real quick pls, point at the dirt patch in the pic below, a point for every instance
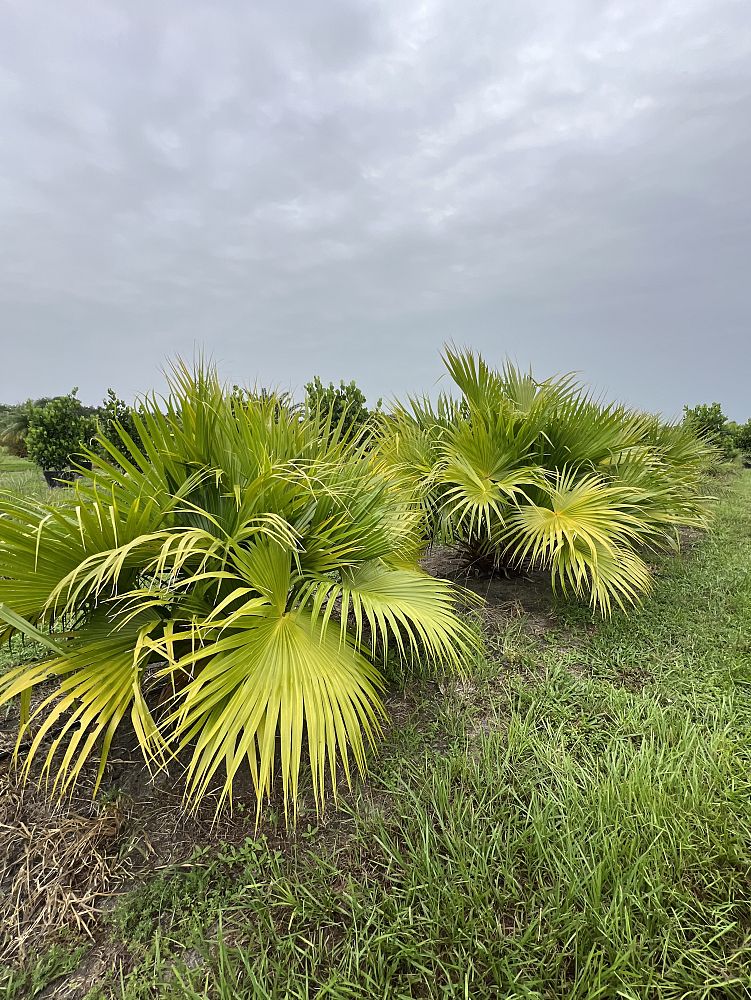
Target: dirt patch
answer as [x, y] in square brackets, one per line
[529, 591]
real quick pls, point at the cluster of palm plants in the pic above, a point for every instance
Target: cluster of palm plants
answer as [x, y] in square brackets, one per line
[225, 581]
[527, 473]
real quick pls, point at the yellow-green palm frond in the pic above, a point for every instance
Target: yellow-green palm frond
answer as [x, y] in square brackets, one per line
[97, 675]
[264, 689]
[405, 608]
[584, 533]
[185, 568]
[479, 384]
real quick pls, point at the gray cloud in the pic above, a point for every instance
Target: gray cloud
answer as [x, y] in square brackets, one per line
[338, 188]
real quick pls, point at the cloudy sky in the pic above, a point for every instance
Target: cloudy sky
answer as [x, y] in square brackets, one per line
[339, 187]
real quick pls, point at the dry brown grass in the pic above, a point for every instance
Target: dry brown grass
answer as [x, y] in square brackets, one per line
[58, 862]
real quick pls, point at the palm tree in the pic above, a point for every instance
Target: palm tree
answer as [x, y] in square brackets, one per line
[14, 423]
[519, 472]
[246, 565]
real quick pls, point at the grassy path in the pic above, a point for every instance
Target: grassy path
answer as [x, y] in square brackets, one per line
[575, 822]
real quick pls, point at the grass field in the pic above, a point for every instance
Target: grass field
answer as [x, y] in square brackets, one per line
[572, 821]
[21, 476]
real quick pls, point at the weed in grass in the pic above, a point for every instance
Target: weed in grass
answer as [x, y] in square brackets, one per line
[38, 977]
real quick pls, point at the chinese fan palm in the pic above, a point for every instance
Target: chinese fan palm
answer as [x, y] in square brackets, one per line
[227, 583]
[520, 472]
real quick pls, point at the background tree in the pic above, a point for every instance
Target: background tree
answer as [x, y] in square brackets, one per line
[742, 440]
[58, 431]
[14, 423]
[710, 423]
[344, 404]
[112, 417]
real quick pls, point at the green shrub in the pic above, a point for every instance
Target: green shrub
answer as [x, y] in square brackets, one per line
[742, 437]
[247, 572]
[113, 417]
[711, 424]
[343, 405]
[58, 431]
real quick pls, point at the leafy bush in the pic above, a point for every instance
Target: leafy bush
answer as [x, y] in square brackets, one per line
[742, 437]
[245, 571]
[343, 405]
[59, 424]
[59, 430]
[112, 417]
[711, 424]
[539, 474]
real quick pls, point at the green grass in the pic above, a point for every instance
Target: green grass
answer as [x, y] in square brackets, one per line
[23, 477]
[574, 821]
[41, 973]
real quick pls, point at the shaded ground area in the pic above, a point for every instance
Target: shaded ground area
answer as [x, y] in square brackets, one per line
[523, 593]
[572, 819]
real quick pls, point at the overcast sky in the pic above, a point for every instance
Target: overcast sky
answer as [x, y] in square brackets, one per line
[340, 187]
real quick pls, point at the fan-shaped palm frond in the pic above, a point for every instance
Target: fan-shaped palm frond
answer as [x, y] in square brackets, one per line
[526, 472]
[223, 566]
[585, 531]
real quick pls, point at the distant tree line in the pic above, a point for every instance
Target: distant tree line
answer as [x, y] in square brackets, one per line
[53, 431]
[731, 438]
